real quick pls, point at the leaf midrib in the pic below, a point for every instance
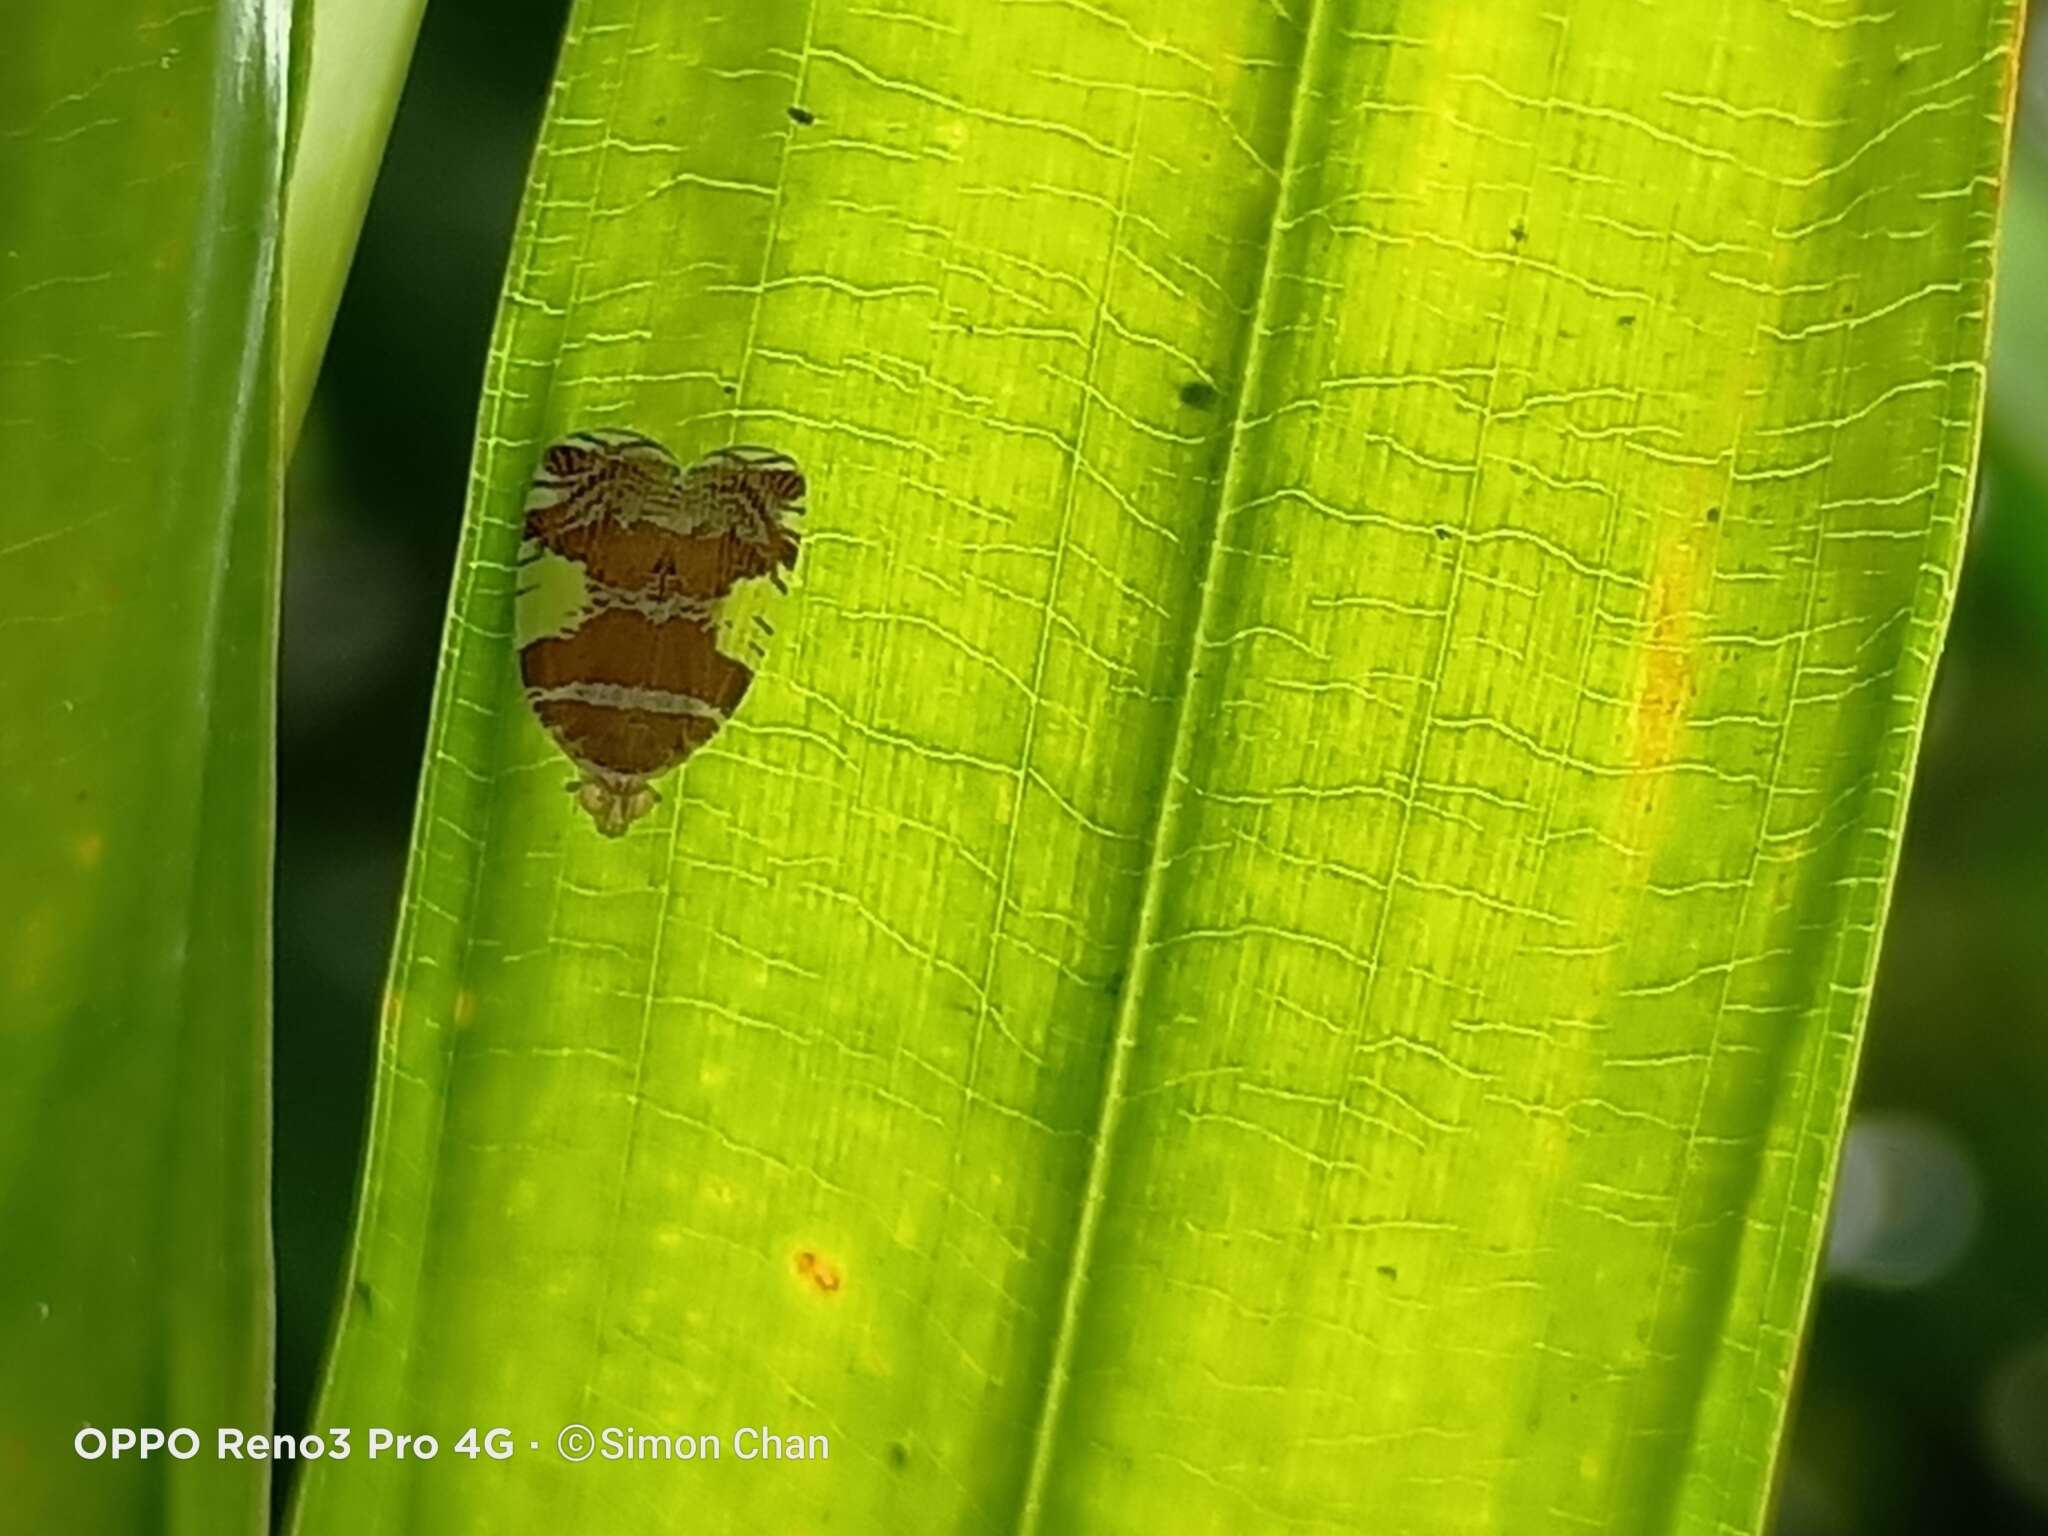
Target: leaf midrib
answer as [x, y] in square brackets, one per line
[1160, 837]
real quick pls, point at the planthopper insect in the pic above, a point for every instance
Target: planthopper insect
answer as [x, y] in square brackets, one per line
[642, 602]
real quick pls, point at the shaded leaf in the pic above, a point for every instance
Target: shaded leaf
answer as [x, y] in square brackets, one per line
[141, 169]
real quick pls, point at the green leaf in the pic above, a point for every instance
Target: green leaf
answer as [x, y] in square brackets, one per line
[141, 170]
[1282, 944]
[357, 53]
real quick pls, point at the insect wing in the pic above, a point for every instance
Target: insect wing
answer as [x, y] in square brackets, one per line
[645, 600]
[745, 504]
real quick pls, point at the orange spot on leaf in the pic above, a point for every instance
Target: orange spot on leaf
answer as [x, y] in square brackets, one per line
[818, 1270]
[1668, 680]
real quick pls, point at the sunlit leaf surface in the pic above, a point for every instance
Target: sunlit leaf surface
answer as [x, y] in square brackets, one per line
[141, 165]
[1282, 942]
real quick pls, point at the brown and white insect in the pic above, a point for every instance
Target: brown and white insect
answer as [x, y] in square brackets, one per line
[643, 597]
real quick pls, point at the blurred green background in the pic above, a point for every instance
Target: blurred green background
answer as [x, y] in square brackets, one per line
[1924, 1405]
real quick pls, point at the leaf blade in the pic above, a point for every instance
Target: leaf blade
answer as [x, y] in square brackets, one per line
[357, 57]
[141, 166]
[791, 1100]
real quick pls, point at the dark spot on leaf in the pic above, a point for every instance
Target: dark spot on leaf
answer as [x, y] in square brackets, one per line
[1390, 1272]
[1625, 321]
[365, 1297]
[1849, 308]
[802, 115]
[899, 1455]
[1198, 393]
[819, 1271]
[1115, 985]
[1713, 514]
[1442, 532]
[728, 388]
[1519, 232]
